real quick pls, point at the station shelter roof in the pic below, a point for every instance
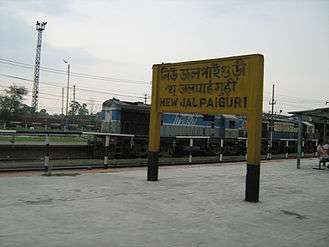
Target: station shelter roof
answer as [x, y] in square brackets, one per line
[322, 113]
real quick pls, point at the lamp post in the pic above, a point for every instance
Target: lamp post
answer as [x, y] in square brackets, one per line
[67, 92]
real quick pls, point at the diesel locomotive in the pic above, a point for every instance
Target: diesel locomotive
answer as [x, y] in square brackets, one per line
[124, 117]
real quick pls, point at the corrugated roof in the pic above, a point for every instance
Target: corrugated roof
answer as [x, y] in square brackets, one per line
[125, 105]
[318, 112]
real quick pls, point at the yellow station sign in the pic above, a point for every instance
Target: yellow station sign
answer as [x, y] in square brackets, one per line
[216, 86]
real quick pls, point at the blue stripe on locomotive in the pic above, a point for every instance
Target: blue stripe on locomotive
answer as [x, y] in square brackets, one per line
[187, 120]
[199, 121]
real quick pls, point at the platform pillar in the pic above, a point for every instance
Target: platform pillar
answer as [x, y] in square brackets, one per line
[299, 141]
[107, 151]
[191, 147]
[287, 150]
[221, 150]
[46, 165]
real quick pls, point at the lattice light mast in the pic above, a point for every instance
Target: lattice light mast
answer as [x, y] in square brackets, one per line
[40, 26]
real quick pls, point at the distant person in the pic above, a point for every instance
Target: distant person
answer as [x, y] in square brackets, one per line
[323, 151]
[326, 149]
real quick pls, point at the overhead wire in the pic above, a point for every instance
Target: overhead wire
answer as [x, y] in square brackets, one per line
[288, 102]
[298, 98]
[105, 78]
[73, 74]
[80, 88]
[56, 95]
[285, 101]
[97, 77]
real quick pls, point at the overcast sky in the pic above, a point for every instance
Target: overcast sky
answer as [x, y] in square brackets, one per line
[122, 39]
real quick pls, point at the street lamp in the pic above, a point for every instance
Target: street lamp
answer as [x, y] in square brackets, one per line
[67, 91]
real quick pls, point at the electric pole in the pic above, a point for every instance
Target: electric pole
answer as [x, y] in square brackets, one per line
[67, 93]
[92, 105]
[67, 87]
[62, 100]
[272, 103]
[73, 93]
[35, 91]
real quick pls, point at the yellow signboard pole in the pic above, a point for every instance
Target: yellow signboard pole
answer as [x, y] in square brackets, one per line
[253, 157]
[254, 126]
[154, 130]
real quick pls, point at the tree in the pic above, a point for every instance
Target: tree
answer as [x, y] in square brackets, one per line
[25, 110]
[11, 102]
[77, 109]
[43, 113]
[83, 111]
[74, 108]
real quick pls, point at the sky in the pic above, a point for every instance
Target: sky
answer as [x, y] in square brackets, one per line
[119, 41]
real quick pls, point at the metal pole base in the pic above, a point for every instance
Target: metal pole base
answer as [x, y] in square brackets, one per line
[252, 183]
[153, 166]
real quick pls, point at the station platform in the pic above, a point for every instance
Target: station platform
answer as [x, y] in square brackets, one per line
[199, 205]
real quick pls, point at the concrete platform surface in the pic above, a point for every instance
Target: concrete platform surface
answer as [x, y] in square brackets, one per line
[188, 206]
